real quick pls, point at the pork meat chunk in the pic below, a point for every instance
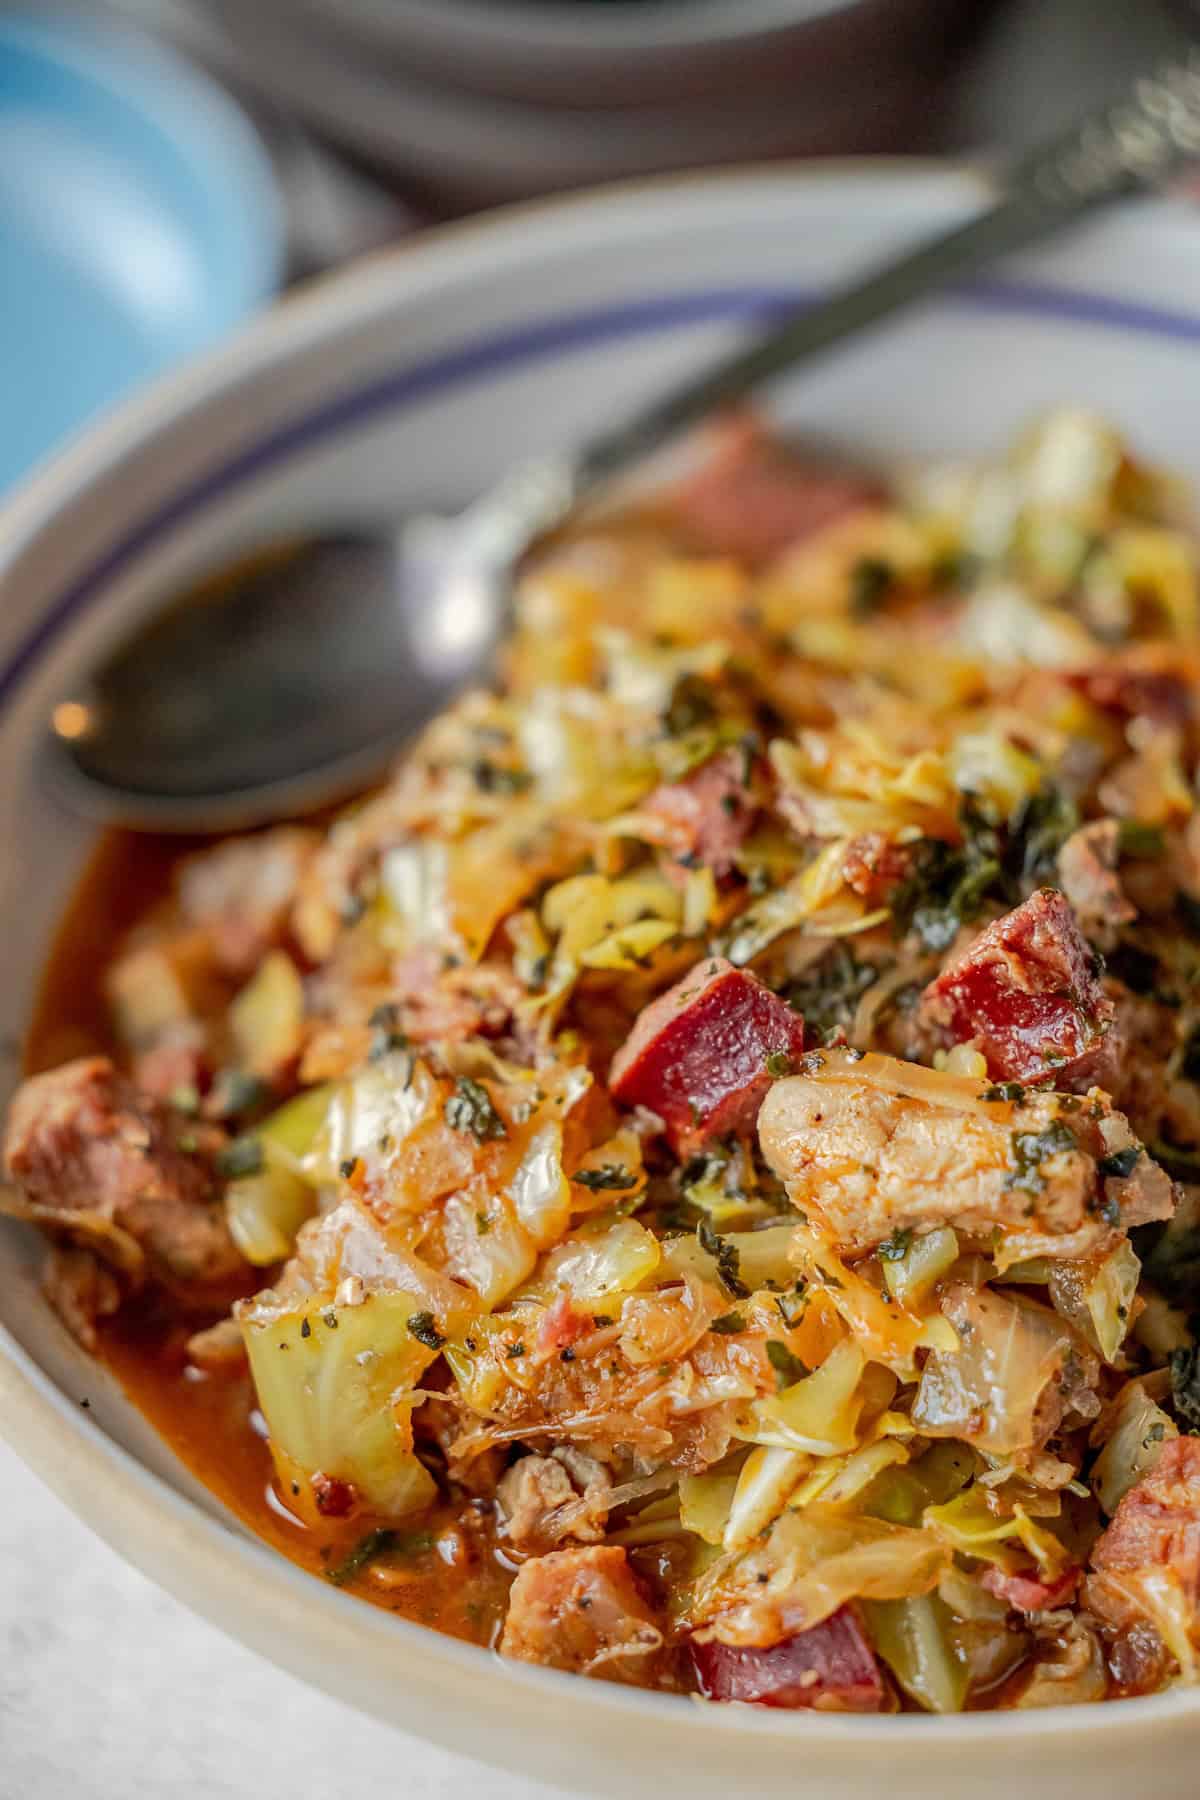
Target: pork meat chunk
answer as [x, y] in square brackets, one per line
[870, 1146]
[581, 1610]
[545, 1500]
[99, 1162]
[1146, 1566]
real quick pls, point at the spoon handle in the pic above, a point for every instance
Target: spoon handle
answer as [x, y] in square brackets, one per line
[1135, 142]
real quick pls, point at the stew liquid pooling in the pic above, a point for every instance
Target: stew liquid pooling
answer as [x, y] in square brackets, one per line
[696, 1181]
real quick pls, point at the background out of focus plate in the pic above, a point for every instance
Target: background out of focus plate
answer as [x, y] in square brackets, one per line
[139, 223]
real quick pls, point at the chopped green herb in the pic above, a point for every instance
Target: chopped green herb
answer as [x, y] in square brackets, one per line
[1039, 831]
[348, 1169]
[470, 1109]
[778, 1064]
[691, 705]
[788, 1368]
[243, 1157]
[1028, 1150]
[386, 1032]
[608, 1175]
[791, 1307]
[1185, 1386]
[424, 1328]
[1142, 841]
[381, 1542]
[1120, 1163]
[829, 990]
[896, 1248]
[492, 778]
[514, 1351]
[1004, 1090]
[727, 1259]
[235, 1094]
[728, 1323]
[871, 581]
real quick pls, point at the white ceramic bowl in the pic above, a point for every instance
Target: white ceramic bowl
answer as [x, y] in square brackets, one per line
[415, 379]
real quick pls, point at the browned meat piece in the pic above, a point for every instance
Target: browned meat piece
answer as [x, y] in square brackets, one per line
[704, 818]
[451, 1004]
[1087, 870]
[829, 1668]
[81, 1289]
[701, 1056]
[753, 499]
[535, 1491]
[95, 1158]
[870, 1146]
[874, 864]
[1150, 1553]
[581, 1610]
[1145, 681]
[242, 893]
[1027, 994]
[218, 1350]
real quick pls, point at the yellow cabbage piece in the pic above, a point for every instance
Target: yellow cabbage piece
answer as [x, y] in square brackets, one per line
[267, 1017]
[973, 1524]
[911, 1278]
[811, 1563]
[1137, 1430]
[819, 1413]
[333, 1382]
[989, 1390]
[914, 1639]
[1097, 1296]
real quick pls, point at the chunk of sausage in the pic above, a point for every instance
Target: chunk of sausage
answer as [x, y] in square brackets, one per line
[830, 1668]
[1152, 1545]
[866, 1158]
[703, 819]
[753, 498]
[1027, 995]
[699, 1055]
[581, 1610]
[84, 1145]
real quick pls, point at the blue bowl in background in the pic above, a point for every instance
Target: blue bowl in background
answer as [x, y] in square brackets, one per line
[139, 223]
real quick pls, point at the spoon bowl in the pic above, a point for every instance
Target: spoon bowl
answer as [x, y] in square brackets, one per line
[275, 689]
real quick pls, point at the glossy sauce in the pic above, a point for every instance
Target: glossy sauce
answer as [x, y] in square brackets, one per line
[210, 1421]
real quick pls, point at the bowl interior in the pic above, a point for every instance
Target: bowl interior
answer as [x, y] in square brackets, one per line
[413, 382]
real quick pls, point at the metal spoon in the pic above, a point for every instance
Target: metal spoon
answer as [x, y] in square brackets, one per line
[289, 681]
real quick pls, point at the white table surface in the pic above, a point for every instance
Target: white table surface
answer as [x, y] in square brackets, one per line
[110, 1690]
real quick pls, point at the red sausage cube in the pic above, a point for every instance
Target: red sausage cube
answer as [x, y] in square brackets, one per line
[1027, 994]
[700, 1056]
[831, 1667]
